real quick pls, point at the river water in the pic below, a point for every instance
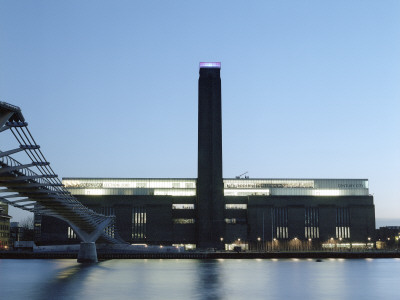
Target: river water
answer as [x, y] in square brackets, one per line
[201, 279]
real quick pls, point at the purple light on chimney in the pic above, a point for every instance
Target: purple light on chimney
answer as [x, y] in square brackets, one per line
[210, 65]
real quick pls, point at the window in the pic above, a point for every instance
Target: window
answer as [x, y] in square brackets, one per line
[235, 206]
[71, 233]
[139, 223]
[235, 221]
[342, 223]
[280, 222]
[182, 206]
[183, 221]
[311, 226]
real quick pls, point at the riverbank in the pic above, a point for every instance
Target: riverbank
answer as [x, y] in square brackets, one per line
[206, 255]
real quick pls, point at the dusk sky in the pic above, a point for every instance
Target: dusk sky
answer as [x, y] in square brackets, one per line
[310, 89]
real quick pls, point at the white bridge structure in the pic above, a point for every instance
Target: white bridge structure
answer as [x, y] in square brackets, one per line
[32, 185]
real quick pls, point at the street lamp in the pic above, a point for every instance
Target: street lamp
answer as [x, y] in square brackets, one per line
[296, 246]
[331, 242]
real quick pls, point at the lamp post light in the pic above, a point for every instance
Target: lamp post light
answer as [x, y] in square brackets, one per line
[368, 243]
[332, 240]
[258, 243]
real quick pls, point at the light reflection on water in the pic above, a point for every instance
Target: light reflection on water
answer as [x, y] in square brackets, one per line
[200, 279]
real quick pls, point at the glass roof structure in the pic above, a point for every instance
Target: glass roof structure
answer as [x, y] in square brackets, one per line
[232, 187]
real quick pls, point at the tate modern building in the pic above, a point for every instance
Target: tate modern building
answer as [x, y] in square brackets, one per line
[215, 212]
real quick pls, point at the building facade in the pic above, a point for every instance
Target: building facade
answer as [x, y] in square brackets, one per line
[212, 212]
[4, 227]
[257, 212]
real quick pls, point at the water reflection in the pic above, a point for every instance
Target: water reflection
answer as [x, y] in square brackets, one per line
[209, 285]
[200, 279]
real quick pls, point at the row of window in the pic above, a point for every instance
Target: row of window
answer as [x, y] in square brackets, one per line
[228, 183]
[4, 235]
[279, 221]
[4, 227]
[139, 220]
[312, 232]
[71, 234]
[129, 184]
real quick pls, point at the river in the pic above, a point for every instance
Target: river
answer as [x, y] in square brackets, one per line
[201, 279]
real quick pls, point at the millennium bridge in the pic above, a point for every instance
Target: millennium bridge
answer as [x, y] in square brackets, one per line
[30, 183]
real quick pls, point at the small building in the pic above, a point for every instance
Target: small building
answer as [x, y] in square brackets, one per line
[4, 227]
[20, 233]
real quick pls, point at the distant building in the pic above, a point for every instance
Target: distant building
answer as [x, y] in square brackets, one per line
[4, 227]
[212, 212]
[388, 237]
[20, 233]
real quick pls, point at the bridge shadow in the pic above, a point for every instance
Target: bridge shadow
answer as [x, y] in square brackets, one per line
[69, 282]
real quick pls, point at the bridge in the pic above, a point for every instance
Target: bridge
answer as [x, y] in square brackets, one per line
[32, 185]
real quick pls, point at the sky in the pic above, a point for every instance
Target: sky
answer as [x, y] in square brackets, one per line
[310, 89]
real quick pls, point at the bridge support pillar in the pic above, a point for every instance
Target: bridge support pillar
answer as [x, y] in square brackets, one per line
[87, 253]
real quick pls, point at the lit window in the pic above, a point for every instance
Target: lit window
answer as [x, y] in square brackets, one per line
[230, 221]
[183, 221]
[321, 192]
[182, 206]
[235, 221]
[235, 206]
[247, 192]
[170, 192]
[71, 233]
[94, 192]
[342, 223]
[139, 221]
